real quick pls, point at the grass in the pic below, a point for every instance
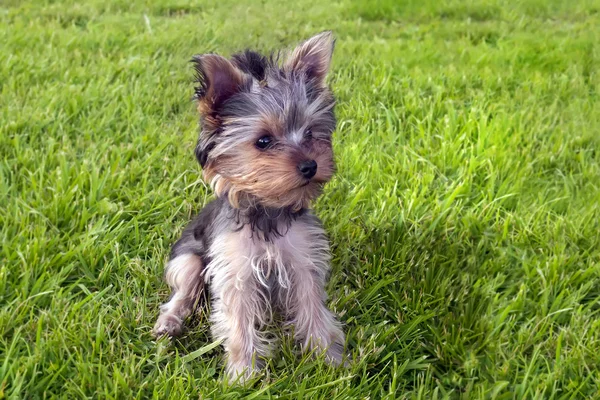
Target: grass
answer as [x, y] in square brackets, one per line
[464, 218]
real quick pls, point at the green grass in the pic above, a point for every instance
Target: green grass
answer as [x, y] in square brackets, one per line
[464, 219]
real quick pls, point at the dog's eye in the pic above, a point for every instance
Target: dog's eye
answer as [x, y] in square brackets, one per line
[308, 134]
[264, 142]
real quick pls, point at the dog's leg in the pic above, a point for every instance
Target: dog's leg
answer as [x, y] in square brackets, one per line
[184, 276]
[315, 326]
[238, 316]
[240, 306]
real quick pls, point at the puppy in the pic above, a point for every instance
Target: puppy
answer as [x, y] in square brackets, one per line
[265, 147]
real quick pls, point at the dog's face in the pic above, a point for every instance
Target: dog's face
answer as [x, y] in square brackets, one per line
[266, 128]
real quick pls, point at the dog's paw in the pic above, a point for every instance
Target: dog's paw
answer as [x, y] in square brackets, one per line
[334, 355]
[241, 374]
[167, 325]
[241, 369]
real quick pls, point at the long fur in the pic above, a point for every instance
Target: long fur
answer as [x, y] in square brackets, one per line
[258, 247]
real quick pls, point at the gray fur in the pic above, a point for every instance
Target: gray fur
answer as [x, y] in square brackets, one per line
[256, 258]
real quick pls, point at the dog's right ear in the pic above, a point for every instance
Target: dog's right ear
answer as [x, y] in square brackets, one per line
[218, 79]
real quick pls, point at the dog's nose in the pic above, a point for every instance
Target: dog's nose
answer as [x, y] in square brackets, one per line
[308, 169]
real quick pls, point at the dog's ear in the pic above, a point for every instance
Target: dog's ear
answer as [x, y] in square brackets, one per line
[218, 79]
[312, 57]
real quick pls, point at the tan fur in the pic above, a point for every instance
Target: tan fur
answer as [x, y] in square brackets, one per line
[222, 80]
[265, 128]
[272, 178]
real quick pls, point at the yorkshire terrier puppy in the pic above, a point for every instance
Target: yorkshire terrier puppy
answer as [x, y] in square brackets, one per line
[265, 147]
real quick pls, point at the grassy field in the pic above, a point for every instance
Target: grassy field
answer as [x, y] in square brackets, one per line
[464, 218]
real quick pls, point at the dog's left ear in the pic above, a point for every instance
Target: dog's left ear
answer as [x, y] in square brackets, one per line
[312, 57]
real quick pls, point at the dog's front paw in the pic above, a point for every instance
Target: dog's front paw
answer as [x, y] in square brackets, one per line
[333, 351]
[334, 355]
[240, 373]
[167, 325]
[242, 368]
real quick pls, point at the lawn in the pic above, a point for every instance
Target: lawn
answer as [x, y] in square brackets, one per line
[464, 218]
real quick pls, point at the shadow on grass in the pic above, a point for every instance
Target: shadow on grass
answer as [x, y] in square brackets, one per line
[411, 292]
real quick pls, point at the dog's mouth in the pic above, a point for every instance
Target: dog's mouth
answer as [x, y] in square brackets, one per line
[299, 195]
[311, 182]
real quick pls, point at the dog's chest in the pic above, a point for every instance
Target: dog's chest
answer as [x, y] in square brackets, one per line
[246, 255]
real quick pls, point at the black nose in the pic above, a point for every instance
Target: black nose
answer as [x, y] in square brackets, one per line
[308, 169]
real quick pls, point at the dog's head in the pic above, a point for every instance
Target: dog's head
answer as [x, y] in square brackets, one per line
[266, 126]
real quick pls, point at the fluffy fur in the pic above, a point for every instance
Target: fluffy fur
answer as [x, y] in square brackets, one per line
[265, 148]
